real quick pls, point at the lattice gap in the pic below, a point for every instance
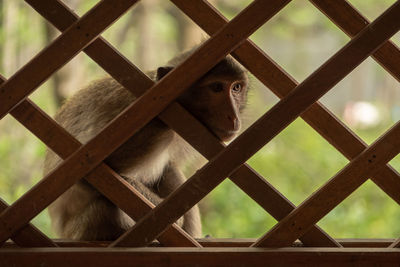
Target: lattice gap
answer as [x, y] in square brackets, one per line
[225, 162]
[365, 204]
[396, 39]
[362, 114]
[242, 210]
[25, 172]
[311, 168]
[395, 163]
[285, 35]
[372, 13]
[230, 9]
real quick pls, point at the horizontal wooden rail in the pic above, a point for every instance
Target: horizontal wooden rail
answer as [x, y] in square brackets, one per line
[261, 132]
[204, 256]
[226, 242]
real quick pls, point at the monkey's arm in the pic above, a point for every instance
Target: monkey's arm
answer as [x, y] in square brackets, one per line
[172, 179]
[144, 190]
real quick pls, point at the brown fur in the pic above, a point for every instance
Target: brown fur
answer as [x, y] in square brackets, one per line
[150, 160]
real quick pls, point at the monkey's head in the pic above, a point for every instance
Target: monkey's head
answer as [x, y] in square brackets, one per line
[218, 98]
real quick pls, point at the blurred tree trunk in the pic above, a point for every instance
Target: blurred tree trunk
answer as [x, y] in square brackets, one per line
[189, 33]
[146, 42]
[69, 78]
[123, 34]
[9, 21]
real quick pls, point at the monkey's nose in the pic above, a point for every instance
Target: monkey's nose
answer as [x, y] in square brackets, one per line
[235, 123]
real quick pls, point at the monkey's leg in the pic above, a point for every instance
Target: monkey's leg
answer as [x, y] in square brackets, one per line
[172, 179]
[150, 194]
[100, 220]
[82, 213]
[87, 215]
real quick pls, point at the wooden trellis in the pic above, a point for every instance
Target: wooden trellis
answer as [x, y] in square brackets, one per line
[157, 99]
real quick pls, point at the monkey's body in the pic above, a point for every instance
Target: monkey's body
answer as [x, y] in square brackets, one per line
[150, 160]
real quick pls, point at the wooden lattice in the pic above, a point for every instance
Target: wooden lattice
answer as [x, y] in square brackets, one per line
[157, 99]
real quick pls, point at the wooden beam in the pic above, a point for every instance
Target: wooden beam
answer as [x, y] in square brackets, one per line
[264, 130]
[227, 242]
[347, 18]
[200, 256]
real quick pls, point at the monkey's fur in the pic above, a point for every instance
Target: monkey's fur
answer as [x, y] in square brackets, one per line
[151, 159]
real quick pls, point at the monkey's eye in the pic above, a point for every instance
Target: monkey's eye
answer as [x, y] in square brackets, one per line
[237, 88]
[216, 87]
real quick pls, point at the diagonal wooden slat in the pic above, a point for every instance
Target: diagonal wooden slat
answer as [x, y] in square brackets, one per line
[104, 178]
[334, 191]
[344, 15]
[60, 51]
[395, 244]
[261, 132]
[255, 257]
[281, 83]
[29, 236]
[120, 129]
[205, 142]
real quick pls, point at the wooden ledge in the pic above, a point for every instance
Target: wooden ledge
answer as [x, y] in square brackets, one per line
[227, 242]
[161, 256]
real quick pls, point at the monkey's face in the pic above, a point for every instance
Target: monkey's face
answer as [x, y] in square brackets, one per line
[217, 101]
[218, 98]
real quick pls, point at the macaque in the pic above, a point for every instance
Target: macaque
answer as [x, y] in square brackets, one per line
[151, 160]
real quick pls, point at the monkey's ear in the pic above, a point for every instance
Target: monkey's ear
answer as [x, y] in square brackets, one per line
[162, 71]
